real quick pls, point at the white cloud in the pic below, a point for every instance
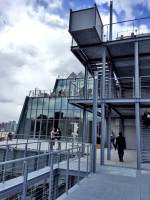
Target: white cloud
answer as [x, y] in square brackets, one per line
[35, 48]
[127, 6]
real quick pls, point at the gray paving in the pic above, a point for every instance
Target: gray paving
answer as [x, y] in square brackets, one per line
[111, 183]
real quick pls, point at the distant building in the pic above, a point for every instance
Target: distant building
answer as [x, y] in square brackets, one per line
[8, 126]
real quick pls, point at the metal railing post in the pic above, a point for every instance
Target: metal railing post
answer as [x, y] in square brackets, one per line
[50, 177]
[4, 167]
[67, 171]
[25, 179]
[51, 144]
[87, 161]
[91, 158]
[25, 151]
[39, 150]
[78, 164]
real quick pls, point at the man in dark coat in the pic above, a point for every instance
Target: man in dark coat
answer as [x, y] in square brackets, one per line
[120, 146]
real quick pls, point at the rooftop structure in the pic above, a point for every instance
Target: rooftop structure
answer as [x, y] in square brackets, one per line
[91, 109]
[119, 65]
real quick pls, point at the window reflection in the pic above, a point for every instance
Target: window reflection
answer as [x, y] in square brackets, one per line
[34, 103]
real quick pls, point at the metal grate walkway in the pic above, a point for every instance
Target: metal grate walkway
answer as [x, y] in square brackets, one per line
[111, 183]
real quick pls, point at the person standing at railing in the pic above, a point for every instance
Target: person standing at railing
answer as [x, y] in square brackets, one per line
[53, 136]
[58, 134]
[58, 137]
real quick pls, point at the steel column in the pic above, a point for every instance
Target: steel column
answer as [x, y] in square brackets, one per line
[94, 127]
[109, 136]
[103, 71]
[138, 133]
[137, 105]
[110, 20]
[103, 122]
[85, 83]
[84, 137]
[84, 110]
[103, 132]
[136, 68]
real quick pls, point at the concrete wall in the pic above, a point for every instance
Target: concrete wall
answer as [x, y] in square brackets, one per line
[129, 132]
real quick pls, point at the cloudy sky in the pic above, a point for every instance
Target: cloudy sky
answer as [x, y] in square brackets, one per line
[35, 44]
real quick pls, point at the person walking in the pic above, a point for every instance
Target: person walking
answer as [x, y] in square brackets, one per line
[120, 146]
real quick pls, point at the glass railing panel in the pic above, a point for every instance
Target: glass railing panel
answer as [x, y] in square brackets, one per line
[119, 88]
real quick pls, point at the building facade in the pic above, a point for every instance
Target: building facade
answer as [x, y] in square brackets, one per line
[118, 60]
[45, 110]
[110, 97]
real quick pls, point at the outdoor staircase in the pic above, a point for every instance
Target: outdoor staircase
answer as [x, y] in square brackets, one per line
[145, 143]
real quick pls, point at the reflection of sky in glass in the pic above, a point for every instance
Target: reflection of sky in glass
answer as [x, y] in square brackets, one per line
[34, 103]
[40, 103]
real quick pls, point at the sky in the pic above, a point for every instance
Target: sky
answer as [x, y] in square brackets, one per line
[35, 44]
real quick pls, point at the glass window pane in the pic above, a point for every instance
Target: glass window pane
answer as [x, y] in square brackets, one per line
[28, 113]
[33, 114]
[52, 103]
[77, 113]
[40, 103]
[46, 103]
[34, 103]
[45, 113]
[30, 103]
[39, 114]
[63, 114]
[70, 106]
[64, 103]
[51, 114]
[58, 103]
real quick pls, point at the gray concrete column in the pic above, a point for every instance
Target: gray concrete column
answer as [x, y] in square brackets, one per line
[137, 105]
[94, 125]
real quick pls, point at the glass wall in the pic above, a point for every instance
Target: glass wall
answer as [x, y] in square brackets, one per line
[43, 112]
[47, 112]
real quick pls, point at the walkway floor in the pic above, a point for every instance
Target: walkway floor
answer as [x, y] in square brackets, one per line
[111, 183]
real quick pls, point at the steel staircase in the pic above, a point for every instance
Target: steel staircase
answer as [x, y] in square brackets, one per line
[145, 143]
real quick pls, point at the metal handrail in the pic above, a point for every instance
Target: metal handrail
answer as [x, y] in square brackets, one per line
[26, 160]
